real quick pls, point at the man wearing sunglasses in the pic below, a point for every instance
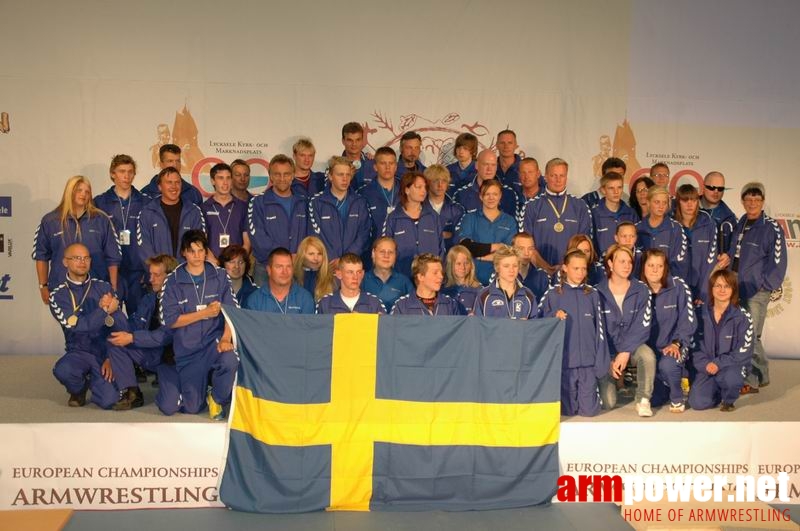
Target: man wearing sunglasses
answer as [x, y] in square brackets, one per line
[711, 201]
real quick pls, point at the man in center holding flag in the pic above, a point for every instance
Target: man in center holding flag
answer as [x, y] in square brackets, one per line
[366, 412]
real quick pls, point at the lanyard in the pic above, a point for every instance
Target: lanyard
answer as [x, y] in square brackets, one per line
[200, 296]
[76, 307]
[557, 213]
[219, 218]
[285, 306]
[388, 197]
[122, 211]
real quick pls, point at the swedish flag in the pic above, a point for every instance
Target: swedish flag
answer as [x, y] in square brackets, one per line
[360, 412]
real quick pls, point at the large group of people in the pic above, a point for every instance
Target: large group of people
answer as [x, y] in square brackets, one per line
[675, 287]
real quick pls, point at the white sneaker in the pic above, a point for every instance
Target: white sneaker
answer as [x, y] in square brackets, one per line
[643, 408]
[680, 407]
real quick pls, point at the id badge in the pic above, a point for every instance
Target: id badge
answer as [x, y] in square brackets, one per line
[125, 237]
[224, 240]
[200, 307]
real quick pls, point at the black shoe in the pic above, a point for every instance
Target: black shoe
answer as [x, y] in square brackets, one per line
[727, 407]
[77, 399]
[141, 376]
[154, 383]
[132, 398]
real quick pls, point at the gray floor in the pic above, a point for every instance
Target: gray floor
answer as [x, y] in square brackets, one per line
[29, 393]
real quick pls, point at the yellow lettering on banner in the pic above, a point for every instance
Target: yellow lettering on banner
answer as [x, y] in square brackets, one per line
[355, 419]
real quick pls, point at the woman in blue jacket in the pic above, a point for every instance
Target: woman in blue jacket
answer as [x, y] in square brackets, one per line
[311, 268]
[585, 358]
[658, 231]
[506, 297]
[486, 229]
[628, 315]
[597, 272]
[461, 282]
[700, 230]
[723, 346]
[671, 332]
[414, 225]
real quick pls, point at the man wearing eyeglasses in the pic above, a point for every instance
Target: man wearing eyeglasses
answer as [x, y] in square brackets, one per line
[758, 256]
[86, 309]
[711, 202]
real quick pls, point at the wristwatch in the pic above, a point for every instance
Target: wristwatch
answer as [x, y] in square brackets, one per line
[42, 286]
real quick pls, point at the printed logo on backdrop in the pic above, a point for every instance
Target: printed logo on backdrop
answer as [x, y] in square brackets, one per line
[196, 164]
[5, 207]
[5, 124]
[438, 134]
[681, 165]
[780, 299]
[5, 287]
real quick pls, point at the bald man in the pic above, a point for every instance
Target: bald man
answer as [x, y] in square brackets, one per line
[468, 196]
[711, 202]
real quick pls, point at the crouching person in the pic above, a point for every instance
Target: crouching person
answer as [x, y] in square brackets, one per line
[191, 303]
[85, 308]
[147, 343]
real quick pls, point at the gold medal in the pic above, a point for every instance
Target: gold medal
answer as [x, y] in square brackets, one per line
[558, 227]
[72, 320]
[109, 321]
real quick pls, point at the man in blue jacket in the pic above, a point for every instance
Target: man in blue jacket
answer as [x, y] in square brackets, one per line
[169, 156]
[191, 303]
[382, 280]
[123, 203]
[350, 298]
[711, 201]
[383, 193]
[609, 212]
[339, 216]
[468, 196]
[758, 255]
[164, 221]
[85, 308]
[410, 149]
[280, 294]
[147, 343]
[278, 217]
[427, 298]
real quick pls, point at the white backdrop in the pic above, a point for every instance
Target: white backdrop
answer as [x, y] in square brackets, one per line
[704, 86]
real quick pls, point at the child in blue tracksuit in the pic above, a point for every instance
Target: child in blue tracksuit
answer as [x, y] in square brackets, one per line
[427, 297]
[350, 298]
[450, 212]
[123, 203]
[700, 231]
[338, 216]
[673, 327]
[586, 357]
[461, 283]
[463, 170]
[723, 346]
[628, 315]
[191, 302]
[658, 231]
[506, 297]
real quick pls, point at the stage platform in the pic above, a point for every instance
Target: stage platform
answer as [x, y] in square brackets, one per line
[89, 459]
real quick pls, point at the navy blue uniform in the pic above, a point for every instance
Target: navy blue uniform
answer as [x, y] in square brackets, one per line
[412, 305]
[468, 196]
[537, 280]
[270, 227]
[401, 168]
[380, 202]
[492, 302]
[450, 215]
[230, 219]
[343, 226]
[333, 304]
[605, 223]
[298, 301]
[729, 345]
[153, 233]
[315, 184]
[388, 292]
[96, 233]
[414, 236]
[627, 327]
[511, 174]
[702, 249]
[726, 220]
[761, 252]
[85, 350]
[477, 227]
[539, 220]
[124, 214]
[465, 296]
[586, 357]
[674, 322]
[247, 288]
[460, 176]
[196, 344]
[668, 237]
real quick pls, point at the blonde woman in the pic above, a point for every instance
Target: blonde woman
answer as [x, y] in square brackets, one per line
[311, 269]
[75, 220]
[460, 281]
